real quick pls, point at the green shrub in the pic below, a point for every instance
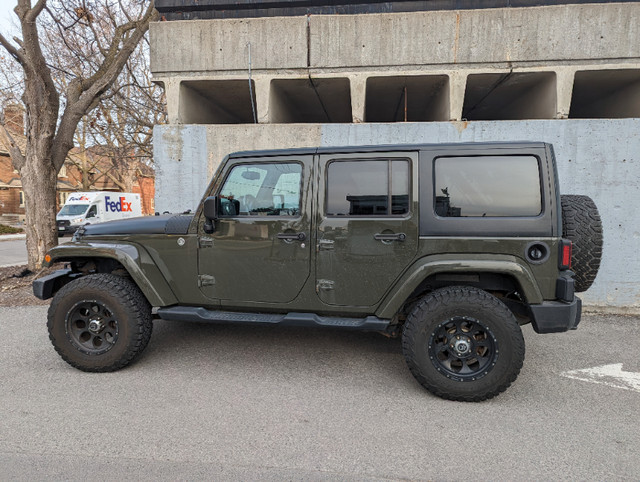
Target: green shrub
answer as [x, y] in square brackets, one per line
[4, 229]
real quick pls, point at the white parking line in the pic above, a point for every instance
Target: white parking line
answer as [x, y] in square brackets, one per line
[610, 375]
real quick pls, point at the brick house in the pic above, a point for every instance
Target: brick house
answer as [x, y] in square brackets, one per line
[70, 177]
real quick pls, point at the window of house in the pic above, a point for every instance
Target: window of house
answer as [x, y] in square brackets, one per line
[368, 187]
[21, 196]
[479, 186]
[262, 190]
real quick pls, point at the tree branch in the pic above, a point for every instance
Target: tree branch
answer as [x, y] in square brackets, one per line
[17, 157]
[15, 53]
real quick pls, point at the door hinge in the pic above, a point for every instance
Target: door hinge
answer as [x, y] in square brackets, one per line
[205, 242]
[325, 284]
[206, 280]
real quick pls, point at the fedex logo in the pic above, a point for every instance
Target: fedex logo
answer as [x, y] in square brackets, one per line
[78, 198]
[117, 206]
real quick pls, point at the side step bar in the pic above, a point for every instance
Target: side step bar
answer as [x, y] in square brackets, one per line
[189, 313]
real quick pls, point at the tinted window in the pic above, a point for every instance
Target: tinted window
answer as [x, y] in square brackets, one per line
[487, 186]
[262, 190]
[367, 188]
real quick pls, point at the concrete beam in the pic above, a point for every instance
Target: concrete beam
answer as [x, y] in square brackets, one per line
[538, 35]
[222, 45]
[541, 34]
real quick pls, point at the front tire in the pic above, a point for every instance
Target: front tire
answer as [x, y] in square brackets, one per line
[461, 343]
[100, 322]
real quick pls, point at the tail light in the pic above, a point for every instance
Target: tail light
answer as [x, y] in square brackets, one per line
[566, 251]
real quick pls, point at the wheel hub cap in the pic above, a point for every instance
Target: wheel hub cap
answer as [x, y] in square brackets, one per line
[462, 346]
[96, 326]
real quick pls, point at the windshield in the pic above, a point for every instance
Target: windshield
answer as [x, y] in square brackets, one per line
[73, 209]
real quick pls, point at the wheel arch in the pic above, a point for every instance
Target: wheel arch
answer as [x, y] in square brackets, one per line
[107, 258]
[500, 273]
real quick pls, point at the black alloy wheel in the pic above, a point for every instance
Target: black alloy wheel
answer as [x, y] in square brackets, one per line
[92, 327]
[462, 348]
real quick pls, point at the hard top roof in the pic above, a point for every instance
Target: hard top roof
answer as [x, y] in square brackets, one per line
[385, 148]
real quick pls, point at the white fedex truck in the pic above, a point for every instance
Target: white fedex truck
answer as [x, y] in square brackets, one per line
[96, 207]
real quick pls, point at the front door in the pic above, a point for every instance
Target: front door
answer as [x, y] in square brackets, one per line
[367, 229]
[259, 251]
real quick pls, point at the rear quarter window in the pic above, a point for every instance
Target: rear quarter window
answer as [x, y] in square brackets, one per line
[487, 186]
[486, 191]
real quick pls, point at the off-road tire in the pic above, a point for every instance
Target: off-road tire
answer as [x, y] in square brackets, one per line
[434, 313]
[106, 294]
[582, 225]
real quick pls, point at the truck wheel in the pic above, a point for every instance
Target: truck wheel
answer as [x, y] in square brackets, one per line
[461, 343]
[100, 322]
[582, 225]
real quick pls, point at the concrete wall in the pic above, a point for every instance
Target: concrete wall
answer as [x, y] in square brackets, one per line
[600, 158]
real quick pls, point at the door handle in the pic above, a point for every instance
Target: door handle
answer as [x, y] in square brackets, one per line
[390, 237]
[326, 244]
[292, 236]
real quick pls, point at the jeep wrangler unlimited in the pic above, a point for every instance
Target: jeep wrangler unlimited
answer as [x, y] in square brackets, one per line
[451, 246]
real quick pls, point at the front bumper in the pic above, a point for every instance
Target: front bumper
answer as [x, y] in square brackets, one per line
[67, 230]
[556, 316]
[45, 287]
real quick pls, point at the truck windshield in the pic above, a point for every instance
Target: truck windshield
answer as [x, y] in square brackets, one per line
[73, 209]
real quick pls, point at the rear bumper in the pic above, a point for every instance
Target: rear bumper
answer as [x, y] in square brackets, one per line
[556, 316]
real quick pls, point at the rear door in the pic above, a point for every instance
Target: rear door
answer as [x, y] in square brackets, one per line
[260, 250]
[367, 225]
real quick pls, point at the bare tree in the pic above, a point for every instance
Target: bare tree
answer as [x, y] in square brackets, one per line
[53, 114]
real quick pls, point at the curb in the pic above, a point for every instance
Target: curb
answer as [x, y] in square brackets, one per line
[11, 237]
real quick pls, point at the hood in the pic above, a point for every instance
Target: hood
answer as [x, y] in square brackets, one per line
[166, 224]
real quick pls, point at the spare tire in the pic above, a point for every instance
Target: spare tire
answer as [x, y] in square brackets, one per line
[581, 224]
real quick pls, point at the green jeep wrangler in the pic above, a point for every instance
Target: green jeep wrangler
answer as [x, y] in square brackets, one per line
[451, 246]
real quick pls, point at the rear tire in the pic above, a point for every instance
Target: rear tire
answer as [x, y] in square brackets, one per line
[461, 343]
[581, 224]
[100, 322]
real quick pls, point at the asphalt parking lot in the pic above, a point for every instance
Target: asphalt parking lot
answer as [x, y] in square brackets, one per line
[241, 403]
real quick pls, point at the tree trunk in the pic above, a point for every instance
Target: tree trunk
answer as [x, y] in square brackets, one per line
[39, 186]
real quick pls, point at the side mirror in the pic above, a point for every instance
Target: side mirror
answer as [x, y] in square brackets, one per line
[210, 211]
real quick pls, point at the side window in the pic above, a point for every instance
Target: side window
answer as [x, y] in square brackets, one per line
[368, 187]
[480, 186]
[262, 190]
[93, 212]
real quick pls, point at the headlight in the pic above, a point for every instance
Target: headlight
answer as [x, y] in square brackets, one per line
[77, 220]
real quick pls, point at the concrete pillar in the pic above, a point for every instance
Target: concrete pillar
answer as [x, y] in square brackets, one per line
[262, 85]
[564, 85]
[172, 93]
[457, 86]
[358, 86]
